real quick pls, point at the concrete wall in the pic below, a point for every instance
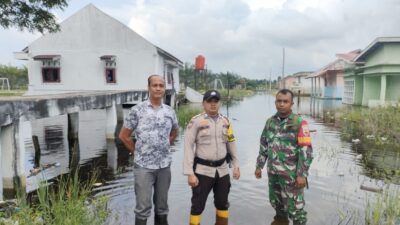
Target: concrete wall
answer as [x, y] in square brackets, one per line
[371, 89]
[304, 84]
[392, 88]
[359, 90]
[388, 53]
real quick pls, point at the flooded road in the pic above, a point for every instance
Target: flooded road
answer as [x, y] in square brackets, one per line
[336, 175]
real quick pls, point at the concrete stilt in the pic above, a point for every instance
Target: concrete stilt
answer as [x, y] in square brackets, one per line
[111, 123]
[112, 156]
[12, 161]
[73, 140]
[382, 95]
[120, 113]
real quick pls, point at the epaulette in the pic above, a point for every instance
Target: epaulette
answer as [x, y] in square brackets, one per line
[190, 124]
[198, 115]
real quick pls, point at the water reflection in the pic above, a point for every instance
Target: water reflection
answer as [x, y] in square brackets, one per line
[335, 175]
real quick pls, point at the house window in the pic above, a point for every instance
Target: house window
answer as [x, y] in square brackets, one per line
[51, 75]
[110, 75]
[349, 89]
[170, 75]
[109, 64]
[50, 67]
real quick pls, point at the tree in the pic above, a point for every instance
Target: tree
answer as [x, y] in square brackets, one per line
[18, 77]
[33, 15]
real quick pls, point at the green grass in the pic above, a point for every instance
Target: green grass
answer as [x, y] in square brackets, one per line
[384, 209]
[185, 113]
[236, 93]
[68, 202]
[380, 125]
[12, 92]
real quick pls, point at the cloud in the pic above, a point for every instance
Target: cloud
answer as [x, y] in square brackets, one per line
[247, 36]
[13, 40]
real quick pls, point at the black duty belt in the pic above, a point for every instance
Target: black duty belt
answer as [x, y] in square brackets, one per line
[217, 163]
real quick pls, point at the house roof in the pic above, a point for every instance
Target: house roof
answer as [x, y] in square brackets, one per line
[373, 46]
[288, 77]
[350, 56]
[302, 74]
[336, 65]
[169, 56]
[93, 7]
[46, 57]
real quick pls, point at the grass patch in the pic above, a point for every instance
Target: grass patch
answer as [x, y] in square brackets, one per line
[384, 210]
[185, 113]
[380, 125]
[12, 92]
[68, 202]
[236, 93]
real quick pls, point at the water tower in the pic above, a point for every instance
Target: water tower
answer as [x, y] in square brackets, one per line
[199, 67]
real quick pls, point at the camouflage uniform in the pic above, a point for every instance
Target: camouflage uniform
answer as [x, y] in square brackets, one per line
[286, 145]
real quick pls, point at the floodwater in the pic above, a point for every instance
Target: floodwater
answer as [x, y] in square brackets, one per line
[337, 174]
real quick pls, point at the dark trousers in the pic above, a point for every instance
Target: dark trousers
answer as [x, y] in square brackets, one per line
[220, 187]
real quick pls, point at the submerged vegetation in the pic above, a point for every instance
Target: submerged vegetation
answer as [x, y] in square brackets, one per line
[377, 132]
[68, 202]
[384, 209]
[380, 125]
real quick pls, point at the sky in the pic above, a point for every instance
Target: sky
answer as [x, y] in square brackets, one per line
[246, 37]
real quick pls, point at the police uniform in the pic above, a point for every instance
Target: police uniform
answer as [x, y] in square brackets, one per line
[208, 140]
[285, 146]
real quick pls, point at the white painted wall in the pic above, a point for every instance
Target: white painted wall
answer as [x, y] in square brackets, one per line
[84, 37]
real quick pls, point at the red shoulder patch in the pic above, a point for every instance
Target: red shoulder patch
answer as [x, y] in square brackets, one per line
[303, 137]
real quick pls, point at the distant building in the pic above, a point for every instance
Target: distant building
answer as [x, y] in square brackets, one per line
[95, 52]
[286, 82]
[297, 83]
[328, 81]
[301, 84]
[373, 78]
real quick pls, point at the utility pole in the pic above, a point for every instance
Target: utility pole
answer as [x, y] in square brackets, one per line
[229, 85]
[283, 68]
[270, 80]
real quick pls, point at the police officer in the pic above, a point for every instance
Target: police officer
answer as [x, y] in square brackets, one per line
[209, 145]
[286, 146]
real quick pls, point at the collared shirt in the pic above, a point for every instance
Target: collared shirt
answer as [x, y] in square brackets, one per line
[209, 139]
[152, 127]
[286, 145]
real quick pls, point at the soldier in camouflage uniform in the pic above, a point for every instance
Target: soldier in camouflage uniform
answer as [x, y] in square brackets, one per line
[285, 145]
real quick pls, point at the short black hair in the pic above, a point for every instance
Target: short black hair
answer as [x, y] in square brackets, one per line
[151, 76]
[285, 92]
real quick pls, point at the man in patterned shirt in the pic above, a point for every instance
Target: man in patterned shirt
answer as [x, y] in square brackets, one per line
[155, 126]
[286, 146]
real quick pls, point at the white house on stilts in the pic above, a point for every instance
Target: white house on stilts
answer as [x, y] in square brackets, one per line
[95, 52]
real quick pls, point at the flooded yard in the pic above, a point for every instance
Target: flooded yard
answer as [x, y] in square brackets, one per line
[340, 180]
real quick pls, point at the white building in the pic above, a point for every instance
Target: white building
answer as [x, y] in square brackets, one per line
[95, 52]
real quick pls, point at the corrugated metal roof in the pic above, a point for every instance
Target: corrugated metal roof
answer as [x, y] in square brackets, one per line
[46, 57]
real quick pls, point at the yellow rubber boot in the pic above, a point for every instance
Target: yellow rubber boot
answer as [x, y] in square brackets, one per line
[195, 219]
[222, 217]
